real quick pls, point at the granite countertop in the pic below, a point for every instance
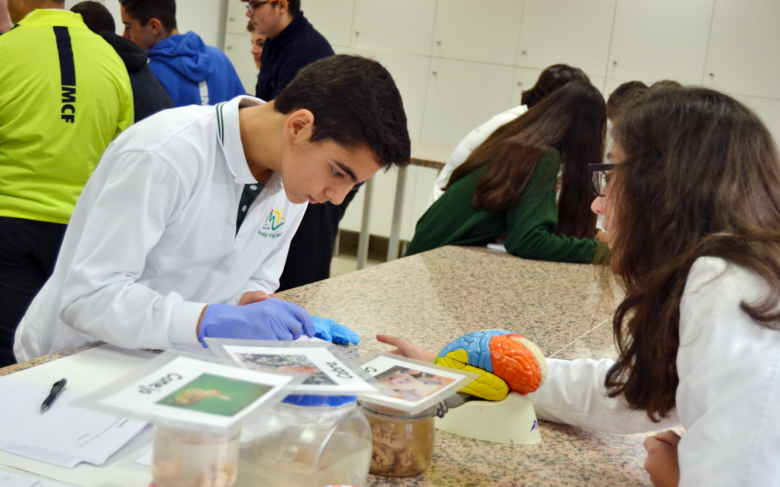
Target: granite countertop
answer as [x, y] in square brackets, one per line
[434, 297]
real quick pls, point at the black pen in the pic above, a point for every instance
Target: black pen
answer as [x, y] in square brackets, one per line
[55, 391]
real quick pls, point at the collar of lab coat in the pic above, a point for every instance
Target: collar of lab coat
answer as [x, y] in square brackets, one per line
[230, 136]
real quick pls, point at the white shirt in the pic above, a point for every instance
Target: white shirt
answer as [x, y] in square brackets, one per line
[728, 398]
[466, 146]
[152, 239]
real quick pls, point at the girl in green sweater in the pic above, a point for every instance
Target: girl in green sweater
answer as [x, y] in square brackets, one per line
[507, 187]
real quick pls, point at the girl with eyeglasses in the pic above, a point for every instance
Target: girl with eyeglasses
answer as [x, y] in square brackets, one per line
[692, 204]
[507, 187]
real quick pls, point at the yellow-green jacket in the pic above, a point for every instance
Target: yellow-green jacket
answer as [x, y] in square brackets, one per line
[64, 95]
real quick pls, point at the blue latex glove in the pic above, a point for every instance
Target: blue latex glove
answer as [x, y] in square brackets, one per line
[272, 319]
[330, 331]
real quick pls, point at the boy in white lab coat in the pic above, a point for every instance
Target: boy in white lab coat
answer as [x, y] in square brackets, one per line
[161, 250]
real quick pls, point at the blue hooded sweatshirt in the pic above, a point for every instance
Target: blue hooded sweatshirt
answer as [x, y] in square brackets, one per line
[182, 62]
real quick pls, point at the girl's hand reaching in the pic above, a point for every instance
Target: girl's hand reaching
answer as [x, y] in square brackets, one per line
[406, 349]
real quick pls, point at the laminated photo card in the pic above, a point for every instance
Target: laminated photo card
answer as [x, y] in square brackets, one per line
[325, 369]
[192, 392]
[416, 385]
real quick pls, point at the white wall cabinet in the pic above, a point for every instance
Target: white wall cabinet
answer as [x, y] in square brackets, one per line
[462, 95]
[237, 20]
[410, 73]
[768, 110]
[486, 52]
[485, 31]
[662, 39]
[404, 26]
[574, 32]
[237, 49]
[742, 31]
[332, 19]
[417, 197]
[419, 184]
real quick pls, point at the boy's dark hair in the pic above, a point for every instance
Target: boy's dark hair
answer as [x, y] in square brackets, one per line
[355, 102]
[624, 97]
[96, 16]
[552, 78]
[146, 10]
[294, 7]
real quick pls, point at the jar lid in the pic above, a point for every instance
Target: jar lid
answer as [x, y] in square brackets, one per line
[318, 401]
[439, 409]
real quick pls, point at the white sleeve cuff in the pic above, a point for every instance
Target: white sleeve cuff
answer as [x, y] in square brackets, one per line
[184, 326]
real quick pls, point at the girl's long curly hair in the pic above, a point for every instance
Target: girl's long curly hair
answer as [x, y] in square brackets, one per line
[701, 177]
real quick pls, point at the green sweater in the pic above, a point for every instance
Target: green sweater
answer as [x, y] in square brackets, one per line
[529, 226]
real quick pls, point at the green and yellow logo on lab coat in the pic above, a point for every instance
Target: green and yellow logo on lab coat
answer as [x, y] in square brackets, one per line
[272, 223]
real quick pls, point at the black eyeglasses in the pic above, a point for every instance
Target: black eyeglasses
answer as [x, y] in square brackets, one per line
[252, 6]
[597, 174]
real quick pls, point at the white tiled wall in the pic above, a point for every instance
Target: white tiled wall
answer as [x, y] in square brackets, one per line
[458, 62]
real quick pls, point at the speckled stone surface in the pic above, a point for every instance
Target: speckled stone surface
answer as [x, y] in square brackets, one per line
[434, 297]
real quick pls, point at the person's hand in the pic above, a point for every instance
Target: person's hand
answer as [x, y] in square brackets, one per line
[270, 319]
[406, 349]
[602, 236]
[255, 297]
[661, 461]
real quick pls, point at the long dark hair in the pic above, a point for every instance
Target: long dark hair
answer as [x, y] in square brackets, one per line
[701, 177]
[571, 120]
[552, 78]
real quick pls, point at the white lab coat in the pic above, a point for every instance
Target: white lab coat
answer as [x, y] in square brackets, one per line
[466, 146]
[152, 238]
[728, 398]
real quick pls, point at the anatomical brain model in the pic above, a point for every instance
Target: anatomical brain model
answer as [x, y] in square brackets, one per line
[504, 360]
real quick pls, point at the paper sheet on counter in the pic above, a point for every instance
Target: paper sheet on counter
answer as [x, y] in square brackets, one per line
[145, 459]
[52, 458]
[63, 430]
[11, 479]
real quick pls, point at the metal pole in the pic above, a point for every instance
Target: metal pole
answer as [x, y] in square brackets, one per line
[362, 254]
[398, 213]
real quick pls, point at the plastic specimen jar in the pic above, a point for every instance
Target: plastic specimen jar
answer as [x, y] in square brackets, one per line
[307, 441]
[189, 458]
[402, 442]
